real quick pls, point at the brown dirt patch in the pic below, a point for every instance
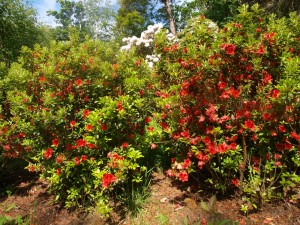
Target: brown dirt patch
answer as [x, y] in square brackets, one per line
[170, 203]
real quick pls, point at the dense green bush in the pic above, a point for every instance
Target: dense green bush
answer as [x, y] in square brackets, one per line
[224, 102]
[78, 116]
[230, 103]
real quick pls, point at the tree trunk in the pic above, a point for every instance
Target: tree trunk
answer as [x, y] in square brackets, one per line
[170, 16]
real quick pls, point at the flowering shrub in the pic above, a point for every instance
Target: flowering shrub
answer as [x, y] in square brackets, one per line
[223, 101]
[78, 116]
[145, 44]
[230, 102]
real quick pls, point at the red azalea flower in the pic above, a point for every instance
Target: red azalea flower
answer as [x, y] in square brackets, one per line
[124, 145]
[150, 129]
[103, 127]
[55, 142]
[107, 179]
[31, 168]
[78, 82]
[48, 153]
[147, 119]
[201, 164]
[250, 125]
[277, 156]
[119, 106]
[185, 134]
[81, 143]
[282, 128]
[21, 135]
[86, 112]
[58, 171]
[222, 148]
[77, 161]
[277, 163]
[84, 158]
[275, 93]
[267, 79]
[42, 79]
[232, 146]
[273, 133]
[229, 48]
[288, 146]
[91, 146]
[183, 176]
[186, 163]
[88, 127]
[235, 93]
[260, 50]
[60, 159]
[235, 181]
[176, 136]
[170, 173]
[295, 136]
[153, 146]
[164, 125]
[222, 85]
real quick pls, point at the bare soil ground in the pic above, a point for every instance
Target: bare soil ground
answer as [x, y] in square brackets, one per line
[170, 203]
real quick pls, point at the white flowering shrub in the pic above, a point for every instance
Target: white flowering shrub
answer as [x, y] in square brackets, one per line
[145, 44]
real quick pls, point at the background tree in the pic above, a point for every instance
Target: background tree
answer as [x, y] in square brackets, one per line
[279, 7]
[132, 17]
[168, 8]
[101, 17]
[18, 27]
[163, 11]
[70, 14]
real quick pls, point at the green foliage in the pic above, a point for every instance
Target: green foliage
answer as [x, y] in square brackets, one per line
[18, 27]
[230, 102]
[132, 18]
[7, 220]
[223, 102]
[77, 115]
[280, 7]
[71, 14]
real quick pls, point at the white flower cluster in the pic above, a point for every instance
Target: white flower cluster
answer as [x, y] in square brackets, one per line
[147, 37]
[212, 25]
[151, 59]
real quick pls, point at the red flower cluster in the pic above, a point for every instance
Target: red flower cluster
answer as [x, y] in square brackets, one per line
[55, 142]
[119, 106]
[107, 179]
[81, 143]
[235, 181]
[228, 48]
[73, 123]
[183, 176]
[48, 153]
[124, 145]
[88, 127]
[86, 112]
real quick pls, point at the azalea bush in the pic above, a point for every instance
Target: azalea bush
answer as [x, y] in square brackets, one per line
[78, 116]
[222, 104]
[230, 103]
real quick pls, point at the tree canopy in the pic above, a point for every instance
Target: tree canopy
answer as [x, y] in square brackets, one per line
[18, 27]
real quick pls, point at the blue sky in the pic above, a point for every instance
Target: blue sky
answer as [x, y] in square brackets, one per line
[42, 6]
